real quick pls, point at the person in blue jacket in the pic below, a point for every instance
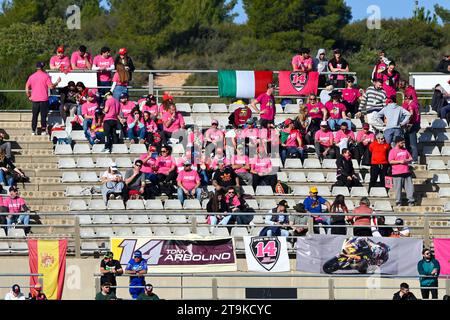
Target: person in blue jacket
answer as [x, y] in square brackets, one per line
[138, 267]
[431, 268]
[313, 204]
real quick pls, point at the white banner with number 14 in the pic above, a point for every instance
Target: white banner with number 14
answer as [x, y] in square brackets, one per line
[266, 254]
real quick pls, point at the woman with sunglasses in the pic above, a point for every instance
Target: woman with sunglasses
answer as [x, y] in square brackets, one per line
[135, 127]
[167, 170]
[316, 112]
[379, 163]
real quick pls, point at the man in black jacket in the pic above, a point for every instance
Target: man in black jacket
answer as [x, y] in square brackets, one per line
[444, 65]
[404, 293]
[346, 175]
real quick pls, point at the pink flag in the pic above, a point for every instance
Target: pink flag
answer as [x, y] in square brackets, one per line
[442, 254]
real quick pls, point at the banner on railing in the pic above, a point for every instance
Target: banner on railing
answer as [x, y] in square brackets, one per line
[340, 254]
[266, 254]
[298, 83]
[442, 254]
[178, 254]
[48, 257]
[89, 79]
[243, 84]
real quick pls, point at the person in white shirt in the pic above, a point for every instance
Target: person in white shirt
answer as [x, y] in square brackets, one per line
[113, 183]
[15, 293]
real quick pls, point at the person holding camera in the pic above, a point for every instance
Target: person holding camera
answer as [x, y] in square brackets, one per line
[113, 184]
[135, 181]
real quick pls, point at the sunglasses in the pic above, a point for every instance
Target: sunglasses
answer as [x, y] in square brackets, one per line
[163, 151]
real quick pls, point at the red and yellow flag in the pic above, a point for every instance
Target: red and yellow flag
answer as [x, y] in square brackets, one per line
[48, 257]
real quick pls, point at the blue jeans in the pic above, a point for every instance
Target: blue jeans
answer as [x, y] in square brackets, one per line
[291, 151]
[152, 177]
[224, 221]
[444, 111]
[283, 233]
[131, 133]
[16, 218]
[118, 90]
[87, 123]
[102, 91]
[337, 122]
[6, 182]
[181, 195]
[390, 134]
[204, 180]
[411, 141]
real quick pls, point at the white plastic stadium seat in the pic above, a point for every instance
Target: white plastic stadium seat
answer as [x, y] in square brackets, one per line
[293, 164]
[84, 219]
[101, 219]
[183, 107]
[136, 148]
[87, 233]
[441, 178]
[282, 176]
[135, 205]
[219, 108]
[331, 177]
[115, 205]
[324, 191]
[357, 123]
[143, 231]
[264, 191]
[122, 148]
[252, 203]
[177, 219]
[221, 232]
[173, 204]
[378, 192]
[382, 205]
[233, 107]
[315, 177]
[340, 190]
[16, 233]
[124, 232]
[200, 107]
[291, 108]
[81, 149]
[444, 192]
[248, 190]
[297, 177]
[359, 192]
[431, 151]
[192, 204]
[181, 231]
[426, 137]
[162, 232]
[97, 204]
[312, 164]
[77, 205]
[447, 207]
[103, 162]
[301, 191]
[78, 135]
[203, 121]
[239, 232]
[158, 218]
[329, 164]
[139, 218]
[66, 163]
[85, 163]
[120, 219]
[267, 204]
[436, 165]
[445, 151]
[89, 247]
[155, 204]
[104, 232]
[203, 231]
[98, 148]
[70, 177]
[178, 148]
[59, 135]
[88, 177]
[124, 163]
[63, 149]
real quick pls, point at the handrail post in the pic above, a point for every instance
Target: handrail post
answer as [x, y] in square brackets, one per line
[77, 238]
[310, 225]
[331, 289]
[97, 284]
[194, 224]
[447, 286]
[214, 289]
[151, 83]
[426, 231]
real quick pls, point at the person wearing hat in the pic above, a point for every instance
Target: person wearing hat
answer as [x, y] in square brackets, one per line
[60, 61]
[337, 65]
[336, 111]
[324, 142]
[350, 96]
[363, 140]
[188, 182]
[313, 204]
[345, 138]
[111, 121]
[399, 159]
[112, 183]
[299, 222]
[149, 103]
[134, 182]
[36, 293]
[214, 135]
[303, 61]
[395, 119]
[373, 100]
[104, 64]
[137, 266]
[148, 293]
[110, 268]
[17, 208]
[126, 60]
[120, 81]
[106, 292]
[390, 78]
[291, 142]
[267, 110]
[15, 293]
[241, 165]
[81, 59]
[36, 90]
[413, 127]
[400, 231]
[278, 221]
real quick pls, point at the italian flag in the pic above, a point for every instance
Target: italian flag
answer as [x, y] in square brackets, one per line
[243, 84]
[48, 257]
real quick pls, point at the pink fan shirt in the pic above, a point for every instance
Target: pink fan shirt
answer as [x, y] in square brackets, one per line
[39, 82]
[165, 164]
[324, 138]
[188, 179]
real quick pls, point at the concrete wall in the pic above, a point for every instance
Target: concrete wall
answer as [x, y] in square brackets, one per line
[80, 283]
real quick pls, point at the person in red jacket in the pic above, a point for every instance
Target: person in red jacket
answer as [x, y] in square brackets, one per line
[379, 163]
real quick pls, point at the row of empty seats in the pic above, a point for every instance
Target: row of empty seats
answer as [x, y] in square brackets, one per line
[62, 149]
[71, 163]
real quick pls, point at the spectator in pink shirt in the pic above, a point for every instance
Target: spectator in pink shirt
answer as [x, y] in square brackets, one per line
[17, 209]
[104, 64]
[214, 135]
[344, 138]
[337, 112]
[172, 121]
[261, 168]
[241, 165]
[60, 61]
[188, 183]
[111, 121]
[151, 128]
[291, 142]
[380, 66]
[218, 156]
[316, 112]
[303, 61]
[267, 105]
[363, 139]
[126, 108]
[88, 111]
[390, 78]
[36, 90]
[135, 127]
[149, 104]
[413, 127]
[120, 81]
[167, 170]
[399, 159]
[350, 97]
[149, 166]
[324, 142]
[81, 59]
[250, 134]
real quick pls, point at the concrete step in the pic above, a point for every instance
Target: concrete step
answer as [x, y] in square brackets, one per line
[49, 208]
[48, 200]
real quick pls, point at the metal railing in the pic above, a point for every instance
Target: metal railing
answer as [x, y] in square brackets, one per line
[331, 286]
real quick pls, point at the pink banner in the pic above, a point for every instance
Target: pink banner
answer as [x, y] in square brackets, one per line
[442, 254]
[298, 83]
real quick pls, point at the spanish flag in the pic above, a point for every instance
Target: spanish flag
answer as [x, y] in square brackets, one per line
[48, 257]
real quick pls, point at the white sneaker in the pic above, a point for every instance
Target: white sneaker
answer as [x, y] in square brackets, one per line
[33, 133]
[105, 151]
[43, 133]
